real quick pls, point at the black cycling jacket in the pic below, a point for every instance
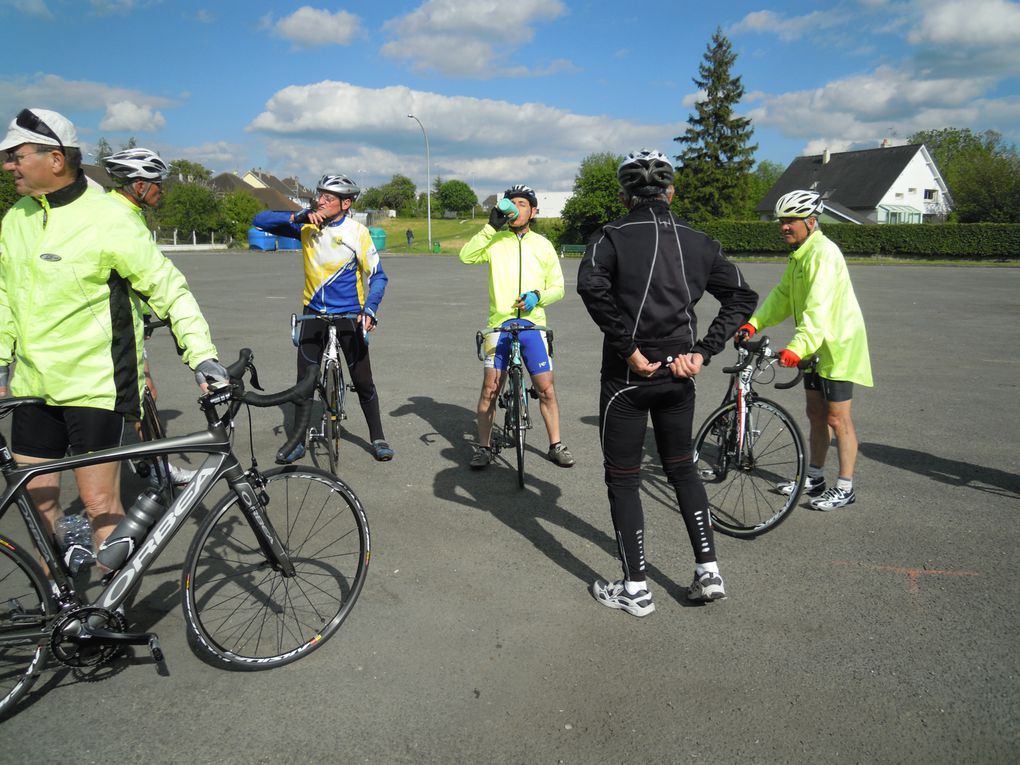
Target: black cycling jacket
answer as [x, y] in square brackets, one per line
[641, 277]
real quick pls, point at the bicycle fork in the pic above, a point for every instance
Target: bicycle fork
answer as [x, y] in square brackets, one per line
[253, 501]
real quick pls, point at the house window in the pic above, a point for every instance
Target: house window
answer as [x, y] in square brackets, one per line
[899, 195]
[931, 195]
[911, 191]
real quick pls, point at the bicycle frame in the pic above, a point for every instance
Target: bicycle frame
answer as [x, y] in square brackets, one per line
[221, 463]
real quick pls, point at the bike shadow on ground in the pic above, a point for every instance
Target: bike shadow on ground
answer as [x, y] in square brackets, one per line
[943, 470]
[495, 491]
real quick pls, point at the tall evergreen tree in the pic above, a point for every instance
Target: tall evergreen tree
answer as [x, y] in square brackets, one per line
[717, 155]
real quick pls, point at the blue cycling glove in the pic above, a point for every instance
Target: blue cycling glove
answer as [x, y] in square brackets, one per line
[530, 300]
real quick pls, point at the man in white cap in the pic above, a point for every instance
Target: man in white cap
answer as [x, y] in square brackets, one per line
[71, 257]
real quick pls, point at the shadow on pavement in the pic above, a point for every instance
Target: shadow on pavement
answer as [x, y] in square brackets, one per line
[494, 490]
[952, 472]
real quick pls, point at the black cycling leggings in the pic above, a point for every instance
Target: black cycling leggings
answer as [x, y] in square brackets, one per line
[355, 350]
[623, 420]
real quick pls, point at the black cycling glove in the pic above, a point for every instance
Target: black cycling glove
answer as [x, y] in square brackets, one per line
[497, 218]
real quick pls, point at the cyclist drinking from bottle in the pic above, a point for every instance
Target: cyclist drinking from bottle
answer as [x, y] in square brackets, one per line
[524, 278]
[816, 290]
[343, 275]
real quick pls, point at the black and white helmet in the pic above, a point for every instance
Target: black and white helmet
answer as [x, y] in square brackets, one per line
[799, 204]
[136, 164]
[340, 185]
[645, 172]
[520, 190]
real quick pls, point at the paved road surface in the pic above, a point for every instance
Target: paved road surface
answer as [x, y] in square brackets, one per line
[881, 633]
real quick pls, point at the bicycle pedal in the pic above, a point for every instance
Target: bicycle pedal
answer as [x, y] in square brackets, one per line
[533, 393]
[154, 648]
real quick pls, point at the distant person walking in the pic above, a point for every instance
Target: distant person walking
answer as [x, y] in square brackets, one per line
[410, 237]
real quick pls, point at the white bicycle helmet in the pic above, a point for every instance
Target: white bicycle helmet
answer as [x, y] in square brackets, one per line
[340, 185]
[520, 190]
[645, 172]
[799, 204]
[136, 164]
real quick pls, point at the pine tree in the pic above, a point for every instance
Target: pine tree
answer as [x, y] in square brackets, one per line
[717, 158]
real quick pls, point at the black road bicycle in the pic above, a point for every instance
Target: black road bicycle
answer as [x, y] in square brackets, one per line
[331, 388]
[272, 572]
[513, 396]
[749, 445]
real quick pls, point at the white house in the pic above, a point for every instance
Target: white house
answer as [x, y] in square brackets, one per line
[891, 184]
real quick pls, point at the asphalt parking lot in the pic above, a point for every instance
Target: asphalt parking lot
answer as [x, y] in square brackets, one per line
[885, 632]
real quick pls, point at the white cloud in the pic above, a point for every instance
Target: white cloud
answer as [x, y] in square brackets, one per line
[486, 142]
[309, 27]
[104, 7]
[132, 117]
[204, 16]
[970, 23]
[31, 7]
[787, 28]
[444, 37]
[70, 95]
[691, 99]
[214, 154]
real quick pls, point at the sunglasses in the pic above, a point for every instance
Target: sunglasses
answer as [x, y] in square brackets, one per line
[30, 121]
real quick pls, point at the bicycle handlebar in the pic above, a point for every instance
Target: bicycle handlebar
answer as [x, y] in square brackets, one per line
[514, 329]
[760, 349]
[327, 317]
[300, 395]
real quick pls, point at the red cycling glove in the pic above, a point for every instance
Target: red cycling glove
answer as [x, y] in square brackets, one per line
[747, 330]
[788, 358]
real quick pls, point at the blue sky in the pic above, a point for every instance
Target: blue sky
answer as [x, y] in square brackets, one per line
[510, 91]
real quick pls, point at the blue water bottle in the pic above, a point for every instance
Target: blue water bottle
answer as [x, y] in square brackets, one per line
[508, 208]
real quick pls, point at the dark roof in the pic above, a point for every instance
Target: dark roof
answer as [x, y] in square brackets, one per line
[289, 187]
[271, 199]
[855, 179]
[98, 174]
[836, 210]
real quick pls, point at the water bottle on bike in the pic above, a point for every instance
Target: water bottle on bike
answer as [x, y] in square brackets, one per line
[74, 532]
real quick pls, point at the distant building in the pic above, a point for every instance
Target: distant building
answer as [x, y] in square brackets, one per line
[271, 198]
[288, 187]
[891, 184]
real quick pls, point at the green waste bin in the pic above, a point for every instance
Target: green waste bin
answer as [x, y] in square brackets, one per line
[378, 238]
[435, 247]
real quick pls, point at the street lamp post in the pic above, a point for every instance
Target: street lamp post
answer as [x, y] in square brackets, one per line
[428, 178]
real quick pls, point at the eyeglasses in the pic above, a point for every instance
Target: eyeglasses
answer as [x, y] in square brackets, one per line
[15, 159]
[30, 121]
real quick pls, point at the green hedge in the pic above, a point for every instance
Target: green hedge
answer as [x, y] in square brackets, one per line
[962, 240]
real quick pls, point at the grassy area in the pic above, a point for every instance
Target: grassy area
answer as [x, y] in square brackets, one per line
[450, 234]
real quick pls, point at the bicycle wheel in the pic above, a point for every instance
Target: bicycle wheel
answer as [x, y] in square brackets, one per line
[333, 397]
[741, 483]
[245, 614]
[26, 606]
[516, 410]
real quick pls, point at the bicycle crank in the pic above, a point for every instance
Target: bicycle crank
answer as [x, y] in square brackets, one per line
[88, 636]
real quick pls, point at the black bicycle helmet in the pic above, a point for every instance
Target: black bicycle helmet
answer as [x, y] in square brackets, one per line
[645, 172]
[520, 190]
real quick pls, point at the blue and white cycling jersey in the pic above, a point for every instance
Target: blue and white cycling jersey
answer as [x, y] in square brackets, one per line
[343, 272]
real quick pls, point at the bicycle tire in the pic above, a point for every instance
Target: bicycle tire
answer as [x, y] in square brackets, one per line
[333, 395]
[245, 615]
[151, 429]
[742, 495]
[26, 605]
[516, 410]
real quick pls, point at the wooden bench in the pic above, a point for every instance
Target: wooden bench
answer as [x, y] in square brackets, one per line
[571, 250]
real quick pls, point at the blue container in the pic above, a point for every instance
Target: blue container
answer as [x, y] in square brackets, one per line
[261, 240]
[287, 243]
[378, 238]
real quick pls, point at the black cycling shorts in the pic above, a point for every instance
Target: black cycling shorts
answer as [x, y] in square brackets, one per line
[52, 432]
[831, 390]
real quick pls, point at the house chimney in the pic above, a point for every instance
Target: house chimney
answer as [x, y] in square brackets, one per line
[825, 157]
[885, 142]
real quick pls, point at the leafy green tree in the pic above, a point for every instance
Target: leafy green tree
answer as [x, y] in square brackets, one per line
[398, 192]
[457, 196]
[189, 207]
[130, 144]
[717, 154]
[981, 170]
[986, 189]
[189, 172]
[760, 181]
[371, 198]
[238, 208]
[596, 198]
[8, 194]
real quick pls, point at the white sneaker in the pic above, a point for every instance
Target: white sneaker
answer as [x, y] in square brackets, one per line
[812, 486]
[707, 587]
[614, 595]
[181, 476]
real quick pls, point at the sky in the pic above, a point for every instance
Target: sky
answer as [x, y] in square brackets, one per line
[515, 91]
